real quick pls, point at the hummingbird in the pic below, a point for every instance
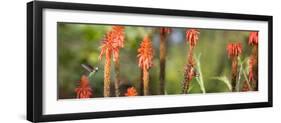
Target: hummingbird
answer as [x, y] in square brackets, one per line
[92, 70]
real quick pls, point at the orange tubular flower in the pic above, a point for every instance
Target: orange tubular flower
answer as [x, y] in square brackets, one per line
[109, 46]
[119, 37]
[83, 90]
[192, 36]
[253, 38]
[234, 49]
[113, 40]
[145, 54]
[131, 92]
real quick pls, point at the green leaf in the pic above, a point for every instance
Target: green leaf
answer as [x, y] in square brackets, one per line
[200, 78]
[224, 80]
[238, 81]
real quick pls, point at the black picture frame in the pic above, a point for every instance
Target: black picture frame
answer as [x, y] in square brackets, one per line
[35, 69]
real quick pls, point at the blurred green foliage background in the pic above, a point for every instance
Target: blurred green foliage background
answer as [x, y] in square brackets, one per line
[79, 44]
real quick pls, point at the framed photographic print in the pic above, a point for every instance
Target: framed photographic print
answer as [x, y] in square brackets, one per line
[95, 61]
